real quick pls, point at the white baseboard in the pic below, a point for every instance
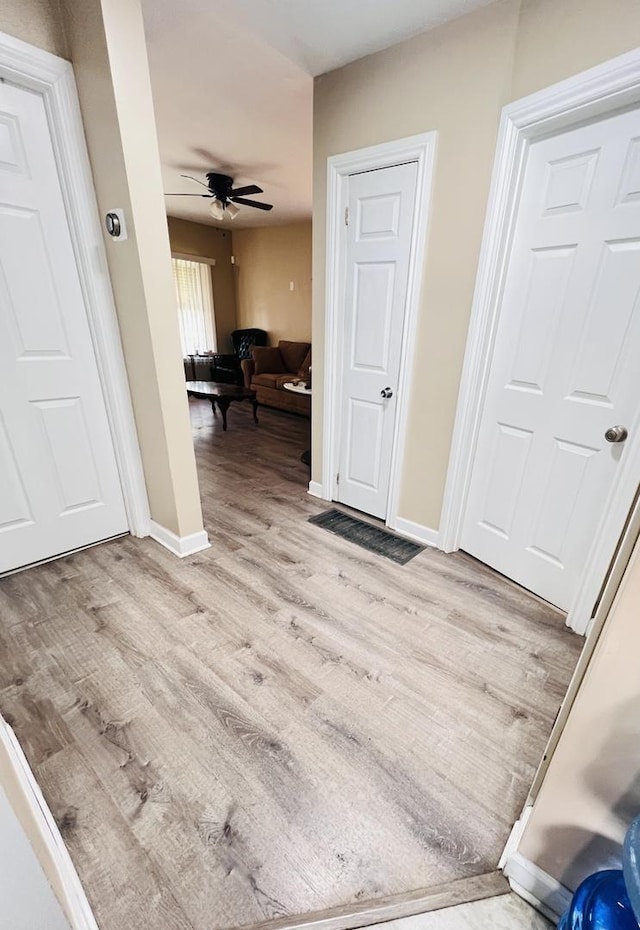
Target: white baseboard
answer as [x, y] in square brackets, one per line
[537, 887]
[315, 490]
[179, 545]
[515, 836]
[65, 879]
[415, 531]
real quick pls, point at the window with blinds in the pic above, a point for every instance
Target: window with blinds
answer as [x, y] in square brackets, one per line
[195, 306]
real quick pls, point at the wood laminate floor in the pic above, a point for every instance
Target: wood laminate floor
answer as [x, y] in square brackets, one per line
[283, 724]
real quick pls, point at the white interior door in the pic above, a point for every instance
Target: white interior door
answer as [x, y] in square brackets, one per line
[59, 486]
[566, 362]
[378, 245]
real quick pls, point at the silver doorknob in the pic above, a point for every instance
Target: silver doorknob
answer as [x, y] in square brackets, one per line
[386, 392]
[616, 434]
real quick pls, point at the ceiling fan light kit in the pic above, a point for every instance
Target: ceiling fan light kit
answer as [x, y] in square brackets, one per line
[216, 209]
[224, 197]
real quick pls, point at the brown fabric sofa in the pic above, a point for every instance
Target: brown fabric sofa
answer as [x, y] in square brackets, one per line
[269, 368]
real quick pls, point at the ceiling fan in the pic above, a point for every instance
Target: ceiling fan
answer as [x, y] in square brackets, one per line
[224, 196]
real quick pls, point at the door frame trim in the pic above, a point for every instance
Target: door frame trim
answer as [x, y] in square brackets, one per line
[38, 70]
[586, 96]
[421, 149]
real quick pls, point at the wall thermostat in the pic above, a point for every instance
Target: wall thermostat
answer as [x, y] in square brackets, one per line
[114, 221]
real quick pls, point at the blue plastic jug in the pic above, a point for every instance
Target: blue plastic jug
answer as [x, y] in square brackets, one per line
[609, 900]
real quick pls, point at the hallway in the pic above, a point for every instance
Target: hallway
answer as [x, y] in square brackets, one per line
[283, 724]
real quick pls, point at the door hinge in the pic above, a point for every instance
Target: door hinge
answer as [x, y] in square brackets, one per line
[338, 478]
[346, 216]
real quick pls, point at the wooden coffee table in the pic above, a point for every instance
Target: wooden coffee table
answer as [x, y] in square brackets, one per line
[221, 395]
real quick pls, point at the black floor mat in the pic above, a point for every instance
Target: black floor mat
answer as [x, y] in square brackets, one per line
[373, 538]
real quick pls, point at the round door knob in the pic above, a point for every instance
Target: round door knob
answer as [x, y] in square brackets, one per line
[616, 434]
[386, 392]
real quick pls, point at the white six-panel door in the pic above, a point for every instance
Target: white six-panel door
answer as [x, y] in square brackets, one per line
[566, 363]
[381, 210]
[59, 483]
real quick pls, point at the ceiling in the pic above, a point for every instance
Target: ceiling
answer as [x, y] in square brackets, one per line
[233, 87]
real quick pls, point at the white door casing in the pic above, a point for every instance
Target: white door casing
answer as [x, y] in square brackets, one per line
[378, 244]
[27, 66]
[564, 365]
[422, 150]
[61, 487]
[584, 97]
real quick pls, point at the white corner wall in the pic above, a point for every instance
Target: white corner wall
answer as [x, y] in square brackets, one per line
[591, 791]
[27, 901]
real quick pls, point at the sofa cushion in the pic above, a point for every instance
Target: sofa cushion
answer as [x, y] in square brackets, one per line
[303, 371]
[268, 360]
[266, 380]
[293, 354]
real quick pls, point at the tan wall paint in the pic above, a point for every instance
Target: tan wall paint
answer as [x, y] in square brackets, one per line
[556, 40]
[107, 46]
[454, 79]
[205, 241]
[38, 22]
[591, 791]
[267, 260]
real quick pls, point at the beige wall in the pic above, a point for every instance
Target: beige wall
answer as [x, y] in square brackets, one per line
[267, 260]
[107, 48]
[38, 22]
[556, 40]
[205, 241]
[591, 791]
[454, 79]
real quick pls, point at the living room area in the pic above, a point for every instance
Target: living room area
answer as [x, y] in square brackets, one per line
[237, 174]
[244, 302]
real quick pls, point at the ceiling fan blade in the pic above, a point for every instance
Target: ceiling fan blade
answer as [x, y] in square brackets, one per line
[243, 191]
[190, 178]
[190, 195]
[253, 203]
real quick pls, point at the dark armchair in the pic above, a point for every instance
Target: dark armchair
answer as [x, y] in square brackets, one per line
[226, 368]
[244, 341]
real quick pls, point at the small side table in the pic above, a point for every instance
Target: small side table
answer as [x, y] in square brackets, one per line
[299, 388]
